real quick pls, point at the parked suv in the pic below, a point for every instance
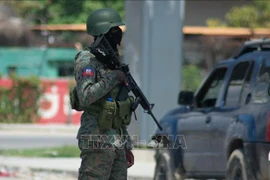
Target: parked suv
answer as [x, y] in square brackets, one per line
[223, 129]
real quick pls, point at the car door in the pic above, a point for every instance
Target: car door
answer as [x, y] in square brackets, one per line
[235, 95]
[194, 126]
[194, 131]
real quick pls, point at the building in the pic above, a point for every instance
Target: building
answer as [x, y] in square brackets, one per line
[46, 62]
[198, 11]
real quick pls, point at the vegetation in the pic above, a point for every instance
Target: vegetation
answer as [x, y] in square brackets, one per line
[19, 103]
[254, 15]
[63, 151]
[191, 78]
[62, 12]
[55, 152]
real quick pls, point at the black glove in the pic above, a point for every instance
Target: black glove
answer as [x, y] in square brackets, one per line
[120, 75]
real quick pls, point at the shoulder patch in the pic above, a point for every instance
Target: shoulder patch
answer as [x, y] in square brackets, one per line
[88, 71]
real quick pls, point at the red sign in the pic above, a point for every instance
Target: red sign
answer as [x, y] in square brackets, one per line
[54, 103]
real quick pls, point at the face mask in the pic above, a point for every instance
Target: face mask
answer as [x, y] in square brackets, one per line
[100, 50]
[114, 36]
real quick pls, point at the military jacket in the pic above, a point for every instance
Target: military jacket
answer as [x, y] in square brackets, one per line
[93, 82]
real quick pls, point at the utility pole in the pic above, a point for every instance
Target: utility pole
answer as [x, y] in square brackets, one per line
[153, 49]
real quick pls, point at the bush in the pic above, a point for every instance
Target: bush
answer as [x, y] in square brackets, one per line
[191, 78]
[19, 104]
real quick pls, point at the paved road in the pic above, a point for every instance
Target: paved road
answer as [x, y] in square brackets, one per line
[43, 140]
[33, 136]
[66, 168]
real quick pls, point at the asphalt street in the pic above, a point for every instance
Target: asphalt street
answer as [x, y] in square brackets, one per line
[22, 137]
[37, 136]
[26, 141]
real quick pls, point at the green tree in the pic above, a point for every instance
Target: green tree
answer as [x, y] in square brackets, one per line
[253, 15]
[191, 77]
[62, 11]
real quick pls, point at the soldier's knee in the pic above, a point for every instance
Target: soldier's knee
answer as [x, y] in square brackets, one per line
[87, 176]
[83, 176]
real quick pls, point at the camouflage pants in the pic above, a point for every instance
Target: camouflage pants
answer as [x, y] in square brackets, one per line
[102, 164]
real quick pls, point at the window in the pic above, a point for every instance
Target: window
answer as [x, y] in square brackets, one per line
[246, 94]
[234, 88]
[208, 95]
[65, 71]
[63, 68]
[262, 83]
[12, 70]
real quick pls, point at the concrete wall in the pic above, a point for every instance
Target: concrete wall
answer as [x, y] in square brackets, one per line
[153, 48]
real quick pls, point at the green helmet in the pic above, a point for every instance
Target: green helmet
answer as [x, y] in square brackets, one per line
[102, 20]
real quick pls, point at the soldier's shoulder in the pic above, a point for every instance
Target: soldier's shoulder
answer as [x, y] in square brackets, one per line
[85, 57]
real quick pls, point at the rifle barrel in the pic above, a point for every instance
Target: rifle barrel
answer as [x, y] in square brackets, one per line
[154, 118]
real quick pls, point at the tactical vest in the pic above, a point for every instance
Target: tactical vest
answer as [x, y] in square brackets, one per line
[112, 113]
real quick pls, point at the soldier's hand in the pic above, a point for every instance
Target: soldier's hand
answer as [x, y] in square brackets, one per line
[129, 158]
[120, 76]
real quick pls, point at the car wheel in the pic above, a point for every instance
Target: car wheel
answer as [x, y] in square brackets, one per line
[237, 168]
[164, 168]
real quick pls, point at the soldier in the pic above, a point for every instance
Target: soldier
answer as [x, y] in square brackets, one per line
[102, 137]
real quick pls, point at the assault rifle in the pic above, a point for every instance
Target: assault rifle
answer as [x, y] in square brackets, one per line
[132, 85]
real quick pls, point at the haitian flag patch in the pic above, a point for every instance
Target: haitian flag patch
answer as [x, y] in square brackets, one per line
[88, 72]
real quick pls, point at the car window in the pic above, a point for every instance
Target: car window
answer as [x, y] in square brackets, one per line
[208, 95]
[246, 94]
[234, 88]
[262, 82]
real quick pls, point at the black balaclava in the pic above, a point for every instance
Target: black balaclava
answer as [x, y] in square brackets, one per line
[114, 39]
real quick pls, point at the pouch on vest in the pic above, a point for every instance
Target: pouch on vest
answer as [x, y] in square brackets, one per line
[74, 100]
[123, 116]
[107, 113]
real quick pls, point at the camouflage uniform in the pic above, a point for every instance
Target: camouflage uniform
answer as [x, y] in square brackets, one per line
[94, 82]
